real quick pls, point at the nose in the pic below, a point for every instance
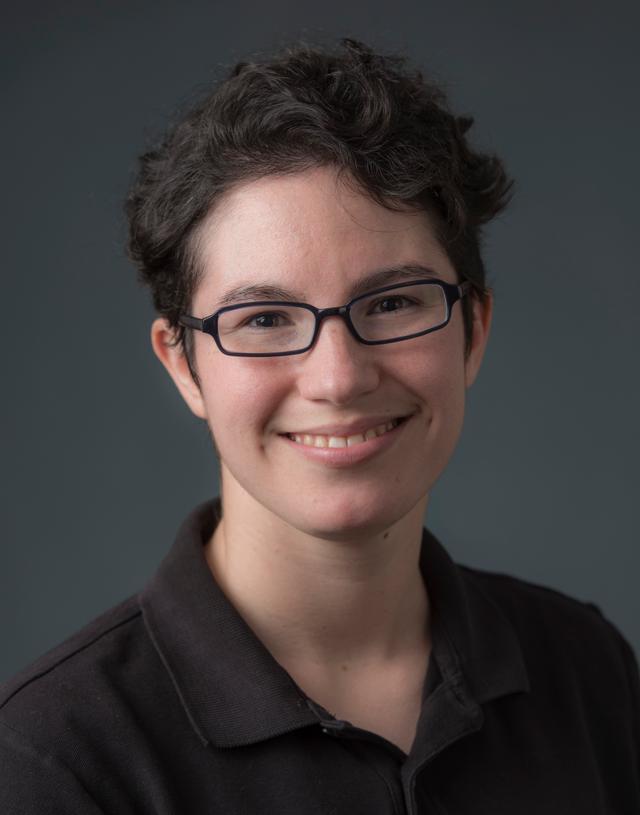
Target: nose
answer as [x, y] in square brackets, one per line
[338, 368]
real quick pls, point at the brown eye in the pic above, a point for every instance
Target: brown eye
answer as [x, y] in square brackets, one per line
[269, 320]
[388, 303]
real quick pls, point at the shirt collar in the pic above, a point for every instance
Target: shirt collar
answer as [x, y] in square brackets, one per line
[235, 693]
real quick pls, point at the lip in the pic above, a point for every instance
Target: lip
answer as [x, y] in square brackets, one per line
[338, 457]
[348, 429]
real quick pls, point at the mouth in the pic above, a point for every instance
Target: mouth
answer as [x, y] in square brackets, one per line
[309, 440]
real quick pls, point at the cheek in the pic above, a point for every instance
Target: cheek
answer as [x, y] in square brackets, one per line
[240, 400]
[438, 382]
[448, 412]
[437, 371]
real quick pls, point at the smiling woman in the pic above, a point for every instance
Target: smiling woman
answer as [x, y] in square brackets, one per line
[310, 233]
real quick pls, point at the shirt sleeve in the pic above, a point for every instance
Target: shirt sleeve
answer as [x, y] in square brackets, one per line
[633, 678]
[35, 783]
[633, 675]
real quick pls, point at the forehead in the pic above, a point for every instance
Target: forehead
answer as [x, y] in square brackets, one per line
[309, 231]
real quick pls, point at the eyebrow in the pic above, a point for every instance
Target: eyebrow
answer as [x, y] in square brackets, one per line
[375, 280]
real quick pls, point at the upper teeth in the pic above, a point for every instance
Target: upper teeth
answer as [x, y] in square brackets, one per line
[344, 441]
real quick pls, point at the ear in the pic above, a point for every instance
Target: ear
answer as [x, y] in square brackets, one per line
[482, 315]
[174, 360]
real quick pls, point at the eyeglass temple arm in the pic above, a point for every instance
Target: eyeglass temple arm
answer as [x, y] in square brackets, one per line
[191, 322]
[463, 288]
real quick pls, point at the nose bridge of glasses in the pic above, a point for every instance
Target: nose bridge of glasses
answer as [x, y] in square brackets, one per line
[335, 311]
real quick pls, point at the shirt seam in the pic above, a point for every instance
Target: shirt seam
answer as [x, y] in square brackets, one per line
[482, 574]
[63, 659]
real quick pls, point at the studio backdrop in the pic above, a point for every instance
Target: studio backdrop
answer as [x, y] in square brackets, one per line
[101, 459]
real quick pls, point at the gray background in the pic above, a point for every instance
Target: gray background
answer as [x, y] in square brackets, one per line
[101, 460]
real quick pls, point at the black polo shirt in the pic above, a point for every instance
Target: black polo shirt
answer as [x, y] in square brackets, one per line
[169, 704]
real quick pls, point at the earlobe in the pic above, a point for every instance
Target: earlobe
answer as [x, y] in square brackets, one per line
[482, 316]
[175, 362]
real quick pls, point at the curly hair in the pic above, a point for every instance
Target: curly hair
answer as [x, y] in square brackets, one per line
[382, 125]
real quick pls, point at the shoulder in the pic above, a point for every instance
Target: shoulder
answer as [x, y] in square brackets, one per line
[555, 628]
[39, 700]
[524, 598]
[536, 608]
[55, 712]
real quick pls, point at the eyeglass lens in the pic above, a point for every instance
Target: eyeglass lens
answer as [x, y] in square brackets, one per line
[388, 315]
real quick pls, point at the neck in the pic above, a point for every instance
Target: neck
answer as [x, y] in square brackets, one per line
[325, 605]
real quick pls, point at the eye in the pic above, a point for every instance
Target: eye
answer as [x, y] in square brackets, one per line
[262, 320]
[256, 320]
[269, 319]
[390, 304]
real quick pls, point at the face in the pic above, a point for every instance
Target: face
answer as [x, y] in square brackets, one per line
[311, 234]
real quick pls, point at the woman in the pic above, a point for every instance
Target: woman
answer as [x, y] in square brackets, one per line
[310, 233]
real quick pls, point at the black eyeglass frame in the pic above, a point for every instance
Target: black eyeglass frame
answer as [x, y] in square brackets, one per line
[209, 325]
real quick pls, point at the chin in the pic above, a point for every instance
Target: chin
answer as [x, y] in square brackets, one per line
[347, 517]
[328, 508]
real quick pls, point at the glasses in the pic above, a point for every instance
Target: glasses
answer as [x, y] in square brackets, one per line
[275, 328]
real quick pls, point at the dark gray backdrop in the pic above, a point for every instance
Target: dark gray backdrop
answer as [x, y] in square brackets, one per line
[101, 459]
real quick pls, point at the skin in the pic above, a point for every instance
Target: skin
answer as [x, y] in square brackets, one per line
[323, 563]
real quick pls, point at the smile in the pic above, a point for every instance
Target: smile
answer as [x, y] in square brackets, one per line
[344, 441]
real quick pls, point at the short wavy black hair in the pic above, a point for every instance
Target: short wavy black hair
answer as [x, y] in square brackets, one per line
[381, 124]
